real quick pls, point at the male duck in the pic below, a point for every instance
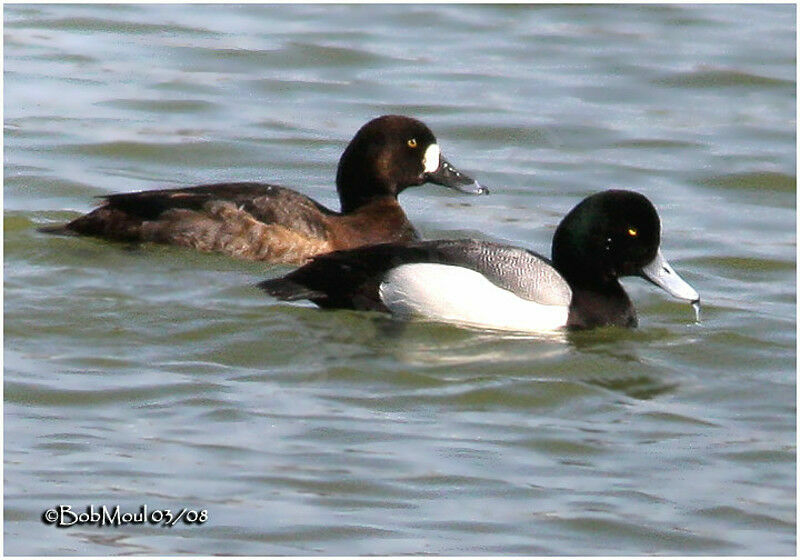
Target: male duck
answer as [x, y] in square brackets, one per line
[481, 284]
[259, 221]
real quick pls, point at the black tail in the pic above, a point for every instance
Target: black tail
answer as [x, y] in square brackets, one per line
[286, 290]
[62, 229]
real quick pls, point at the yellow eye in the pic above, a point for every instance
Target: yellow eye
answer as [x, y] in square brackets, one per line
[412, 143]
[633, 232]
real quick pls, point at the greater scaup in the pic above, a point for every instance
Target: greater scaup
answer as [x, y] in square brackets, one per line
[477, 283]
[266, 222]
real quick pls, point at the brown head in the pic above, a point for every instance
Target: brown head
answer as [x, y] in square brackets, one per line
[389, 154]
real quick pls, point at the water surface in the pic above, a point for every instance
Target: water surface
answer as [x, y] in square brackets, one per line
[155, 375]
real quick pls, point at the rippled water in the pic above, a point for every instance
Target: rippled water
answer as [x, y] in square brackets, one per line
[154, 375]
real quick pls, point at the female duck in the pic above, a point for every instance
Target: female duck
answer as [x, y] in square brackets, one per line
[481, 284]
[266, 222]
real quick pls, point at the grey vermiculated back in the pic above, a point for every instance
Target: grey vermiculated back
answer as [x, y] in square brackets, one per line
[523, 272]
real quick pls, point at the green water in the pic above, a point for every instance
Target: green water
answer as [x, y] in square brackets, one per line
[154, 375]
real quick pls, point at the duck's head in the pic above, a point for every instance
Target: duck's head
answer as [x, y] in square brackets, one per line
[613, 234]
[391, 153]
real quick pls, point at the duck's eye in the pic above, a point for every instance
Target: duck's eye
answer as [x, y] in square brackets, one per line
[412, 143]
[633, 232]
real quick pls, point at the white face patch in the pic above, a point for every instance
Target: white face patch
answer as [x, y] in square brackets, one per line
[430, 161]
[452, 294]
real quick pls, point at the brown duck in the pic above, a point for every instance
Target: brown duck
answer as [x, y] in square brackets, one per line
[259, 221]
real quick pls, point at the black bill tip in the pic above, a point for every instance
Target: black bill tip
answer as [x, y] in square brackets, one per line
[450, 177]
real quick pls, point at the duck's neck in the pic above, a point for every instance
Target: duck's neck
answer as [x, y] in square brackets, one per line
[600, 305]
[353, 199]
[380, 220]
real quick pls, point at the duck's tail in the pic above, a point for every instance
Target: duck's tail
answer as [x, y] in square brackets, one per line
[287, 290]
[61, 229]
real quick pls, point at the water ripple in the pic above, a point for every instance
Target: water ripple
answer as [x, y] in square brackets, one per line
[156, 374]
[721, 78]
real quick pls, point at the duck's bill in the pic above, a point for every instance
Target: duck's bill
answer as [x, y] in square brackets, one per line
[448, 176]
[660, 273]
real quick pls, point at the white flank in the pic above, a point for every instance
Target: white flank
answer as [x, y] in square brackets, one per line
[430, 161]
[453, 294]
